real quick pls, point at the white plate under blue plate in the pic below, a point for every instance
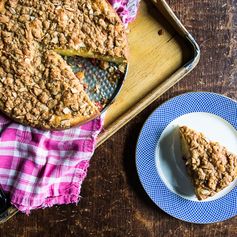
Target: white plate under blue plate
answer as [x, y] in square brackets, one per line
[159, 160]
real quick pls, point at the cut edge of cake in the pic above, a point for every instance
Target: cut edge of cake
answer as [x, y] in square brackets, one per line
[86, 53]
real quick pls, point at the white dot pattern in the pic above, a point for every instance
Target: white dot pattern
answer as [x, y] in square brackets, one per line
[176, 206]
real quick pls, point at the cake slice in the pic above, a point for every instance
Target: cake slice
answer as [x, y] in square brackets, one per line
[209, 164]
[98, 33]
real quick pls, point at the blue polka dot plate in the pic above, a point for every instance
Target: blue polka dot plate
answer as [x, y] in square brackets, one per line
[159, 160]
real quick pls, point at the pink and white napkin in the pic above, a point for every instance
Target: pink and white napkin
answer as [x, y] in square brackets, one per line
[126, 9]
[38, 168]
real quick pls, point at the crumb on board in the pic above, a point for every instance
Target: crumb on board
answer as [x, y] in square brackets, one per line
[85, 86]
[111, 69]
[122, 68]
[128, 31]
[160, 32]
[96, 89]
[99, 105]
[80, 75]
[104, 65]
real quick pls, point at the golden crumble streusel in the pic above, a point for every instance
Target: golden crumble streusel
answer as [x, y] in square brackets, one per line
[210, 165]
[37, 87]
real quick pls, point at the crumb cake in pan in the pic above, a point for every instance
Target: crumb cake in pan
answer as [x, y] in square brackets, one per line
[210, 165]
[37, 86]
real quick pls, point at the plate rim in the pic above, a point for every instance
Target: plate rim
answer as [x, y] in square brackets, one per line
[172, 100]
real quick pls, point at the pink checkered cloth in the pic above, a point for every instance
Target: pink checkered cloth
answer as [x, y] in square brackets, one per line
[39, 169]
[127, 9]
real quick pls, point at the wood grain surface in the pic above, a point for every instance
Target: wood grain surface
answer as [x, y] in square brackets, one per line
[113, 202]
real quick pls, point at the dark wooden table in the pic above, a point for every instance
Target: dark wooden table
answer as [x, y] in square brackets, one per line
[113, 202]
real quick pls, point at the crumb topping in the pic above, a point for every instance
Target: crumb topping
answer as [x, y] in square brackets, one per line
[37, 87]
[211, 166]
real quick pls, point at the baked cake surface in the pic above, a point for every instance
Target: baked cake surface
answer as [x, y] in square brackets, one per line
[37, 87]
[210, 165]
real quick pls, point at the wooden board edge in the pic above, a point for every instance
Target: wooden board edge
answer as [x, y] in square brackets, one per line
[6, 215]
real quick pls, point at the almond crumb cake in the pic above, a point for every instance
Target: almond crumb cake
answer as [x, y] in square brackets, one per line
[210, 165]
[37, 87]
